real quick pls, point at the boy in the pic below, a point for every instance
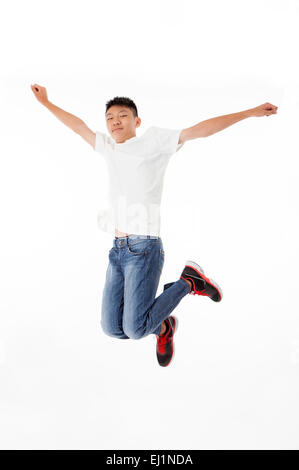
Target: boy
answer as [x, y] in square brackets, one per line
[136, 167]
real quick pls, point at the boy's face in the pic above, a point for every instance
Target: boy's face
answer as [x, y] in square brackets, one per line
[121, 123]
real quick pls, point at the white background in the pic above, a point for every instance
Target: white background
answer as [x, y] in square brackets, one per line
[230, 203]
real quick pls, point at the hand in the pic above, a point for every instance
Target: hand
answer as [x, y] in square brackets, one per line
[263, 110]
[40, 93]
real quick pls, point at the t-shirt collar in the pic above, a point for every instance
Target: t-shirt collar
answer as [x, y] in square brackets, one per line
[132, 139]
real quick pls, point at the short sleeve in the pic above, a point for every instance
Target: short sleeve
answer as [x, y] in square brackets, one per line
[168, 140]
[102, 143]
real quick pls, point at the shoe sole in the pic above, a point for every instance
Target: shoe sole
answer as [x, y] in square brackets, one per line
[176, 324]
[198, 268]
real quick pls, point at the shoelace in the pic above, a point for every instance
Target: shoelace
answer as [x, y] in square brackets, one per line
[162, 340]
[201, 292]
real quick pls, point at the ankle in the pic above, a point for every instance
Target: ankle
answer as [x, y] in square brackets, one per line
[189, 284]
[163, 328]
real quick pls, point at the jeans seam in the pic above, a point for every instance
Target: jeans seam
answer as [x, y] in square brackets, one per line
[144, 281]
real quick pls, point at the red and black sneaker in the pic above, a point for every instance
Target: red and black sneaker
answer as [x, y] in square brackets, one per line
[201, 285]
[165, 346]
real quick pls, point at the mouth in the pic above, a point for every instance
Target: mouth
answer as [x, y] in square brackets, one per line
[118, 129]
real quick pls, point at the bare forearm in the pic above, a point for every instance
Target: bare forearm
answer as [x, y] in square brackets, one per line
[73, 122]
[210, 126]
[216, 124]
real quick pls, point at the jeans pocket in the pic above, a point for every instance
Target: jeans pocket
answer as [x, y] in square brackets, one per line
[139, 247]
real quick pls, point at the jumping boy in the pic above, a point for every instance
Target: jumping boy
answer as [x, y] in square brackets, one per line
[136, 168]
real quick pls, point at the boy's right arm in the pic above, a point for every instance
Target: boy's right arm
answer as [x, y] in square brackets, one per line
[73, 122]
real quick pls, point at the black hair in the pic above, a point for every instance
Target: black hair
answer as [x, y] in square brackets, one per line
[123, 101]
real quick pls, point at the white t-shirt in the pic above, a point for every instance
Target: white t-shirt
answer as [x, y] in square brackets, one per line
[136, 170]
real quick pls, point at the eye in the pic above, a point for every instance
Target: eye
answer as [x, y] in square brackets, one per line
[124, 115]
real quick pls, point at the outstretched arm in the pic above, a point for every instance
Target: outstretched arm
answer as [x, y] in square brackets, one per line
[211, 126]
[73, 122]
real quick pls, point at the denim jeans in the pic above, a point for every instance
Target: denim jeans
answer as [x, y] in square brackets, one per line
[129, 307]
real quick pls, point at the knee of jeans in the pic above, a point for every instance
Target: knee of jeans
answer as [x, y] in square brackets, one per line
[134, 334]
[108, 330]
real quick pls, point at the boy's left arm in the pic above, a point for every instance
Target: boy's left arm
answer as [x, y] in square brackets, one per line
[211, 126]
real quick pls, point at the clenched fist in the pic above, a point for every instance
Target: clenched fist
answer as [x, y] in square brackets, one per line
[263, 110]
[40, 93]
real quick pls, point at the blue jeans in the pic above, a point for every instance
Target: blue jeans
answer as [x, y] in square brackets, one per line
[129, 306]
